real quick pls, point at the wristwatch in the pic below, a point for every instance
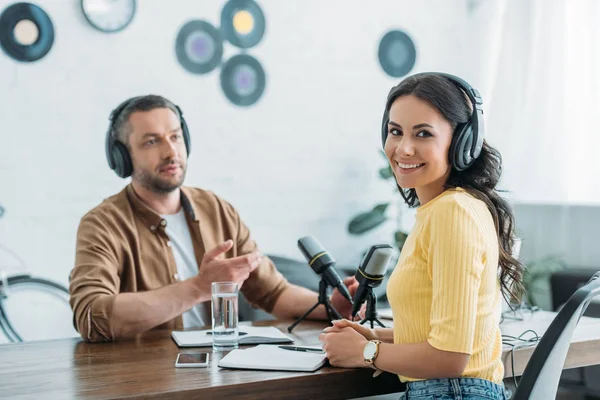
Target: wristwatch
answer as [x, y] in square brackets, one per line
[371, 351]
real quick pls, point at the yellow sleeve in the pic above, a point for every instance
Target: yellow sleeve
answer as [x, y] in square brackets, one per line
[456, 258]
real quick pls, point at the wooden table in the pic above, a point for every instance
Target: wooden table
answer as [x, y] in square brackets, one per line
[144, 367]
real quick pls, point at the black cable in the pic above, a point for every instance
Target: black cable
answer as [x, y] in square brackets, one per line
[515, 313]
[524, 342]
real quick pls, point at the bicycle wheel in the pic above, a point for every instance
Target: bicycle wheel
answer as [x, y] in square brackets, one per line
[35, 309]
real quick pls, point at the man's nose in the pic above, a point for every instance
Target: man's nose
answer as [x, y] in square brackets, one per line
[170, 150]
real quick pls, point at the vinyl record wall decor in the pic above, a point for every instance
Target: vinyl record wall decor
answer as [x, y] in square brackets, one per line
[243, 80]
[26, 32]
[397, 53]
[243, 23]
[199, 47]
[199, 50]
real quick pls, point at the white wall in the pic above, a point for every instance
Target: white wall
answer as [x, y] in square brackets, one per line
[302, 161]
[538, 71]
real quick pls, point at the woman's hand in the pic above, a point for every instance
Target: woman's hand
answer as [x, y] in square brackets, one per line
[368, 333]
[344, 347]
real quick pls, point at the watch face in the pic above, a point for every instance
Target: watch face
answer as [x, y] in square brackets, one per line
[109, 15]
[369, 351]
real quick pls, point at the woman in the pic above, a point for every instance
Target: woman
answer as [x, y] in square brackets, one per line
[445, 291]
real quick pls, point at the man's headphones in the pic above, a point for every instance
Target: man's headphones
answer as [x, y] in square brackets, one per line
[119, 159]
[467, 139]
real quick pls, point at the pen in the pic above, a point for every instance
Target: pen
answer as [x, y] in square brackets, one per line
[239, 333]
[304, 349]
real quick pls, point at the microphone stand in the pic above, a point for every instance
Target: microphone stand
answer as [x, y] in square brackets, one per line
[323, 299]
[371, 311]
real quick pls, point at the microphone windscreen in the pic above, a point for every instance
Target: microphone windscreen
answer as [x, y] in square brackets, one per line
[377, 263]
[310, 247]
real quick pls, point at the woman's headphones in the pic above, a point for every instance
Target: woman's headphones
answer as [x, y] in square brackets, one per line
[467, 139]
[119, 159]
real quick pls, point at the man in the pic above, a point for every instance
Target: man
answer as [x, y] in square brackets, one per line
[146, 257]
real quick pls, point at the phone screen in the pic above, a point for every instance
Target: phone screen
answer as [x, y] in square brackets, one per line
[192, 358]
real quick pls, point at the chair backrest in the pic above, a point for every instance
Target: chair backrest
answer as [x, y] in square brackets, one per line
[542, 373]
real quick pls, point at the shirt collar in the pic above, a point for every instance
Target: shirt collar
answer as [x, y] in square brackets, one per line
[149, 217]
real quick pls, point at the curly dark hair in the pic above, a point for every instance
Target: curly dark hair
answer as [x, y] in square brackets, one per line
[479, 180]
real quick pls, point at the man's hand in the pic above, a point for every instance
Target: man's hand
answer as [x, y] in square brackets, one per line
[340, 303]
[214, 268]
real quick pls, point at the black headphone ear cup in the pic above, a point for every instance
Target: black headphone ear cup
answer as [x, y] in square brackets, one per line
[122, 159]
[108, 148]
[186, 136]
[467, 158]
[460, 147]
[185, 131]
[383, 132]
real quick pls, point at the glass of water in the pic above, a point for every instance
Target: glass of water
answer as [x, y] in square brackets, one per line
[225, 315]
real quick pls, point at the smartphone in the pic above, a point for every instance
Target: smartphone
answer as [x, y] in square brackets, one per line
[192, 360]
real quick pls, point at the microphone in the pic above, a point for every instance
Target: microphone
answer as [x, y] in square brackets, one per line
[322, 263]
[371, 272]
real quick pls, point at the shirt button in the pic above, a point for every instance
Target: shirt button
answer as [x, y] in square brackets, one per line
[152, 228]
[176, 276]
[163, 222]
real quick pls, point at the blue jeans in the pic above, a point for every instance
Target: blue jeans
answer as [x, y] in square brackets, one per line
[455, 388]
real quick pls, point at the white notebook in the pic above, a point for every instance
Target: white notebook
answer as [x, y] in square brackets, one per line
[272, 358]
[248, 335]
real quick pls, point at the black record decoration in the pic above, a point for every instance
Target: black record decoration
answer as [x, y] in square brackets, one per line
[242, 23]
[199, 47]
[243, 80]
[397, 53]
[26, 32]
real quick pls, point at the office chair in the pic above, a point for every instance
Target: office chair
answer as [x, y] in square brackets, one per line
[542, 373]
[563, 284]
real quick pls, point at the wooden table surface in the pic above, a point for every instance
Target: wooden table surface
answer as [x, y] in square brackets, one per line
[145, 367]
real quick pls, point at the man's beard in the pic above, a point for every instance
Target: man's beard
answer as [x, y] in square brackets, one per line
[155, 183]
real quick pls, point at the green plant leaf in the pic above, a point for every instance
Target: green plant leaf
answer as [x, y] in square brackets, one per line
[536, 277]
[366, 221]
[399, 239]
[386, 173]
[380, 208]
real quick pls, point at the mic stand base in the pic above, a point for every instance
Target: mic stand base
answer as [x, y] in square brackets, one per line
[331, 312]
[371, 311]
